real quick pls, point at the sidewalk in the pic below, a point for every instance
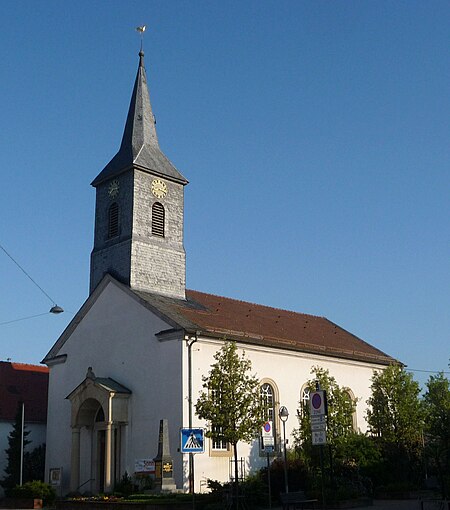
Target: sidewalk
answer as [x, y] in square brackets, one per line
[381, 504]
[407, 504]
[403, 504]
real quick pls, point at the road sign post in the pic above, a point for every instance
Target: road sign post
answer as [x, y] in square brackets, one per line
[267, 436]
[192, 440]
[268, 441]
[318, 413]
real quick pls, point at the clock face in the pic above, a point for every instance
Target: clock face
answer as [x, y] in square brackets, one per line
[159, 188]
[113, 188]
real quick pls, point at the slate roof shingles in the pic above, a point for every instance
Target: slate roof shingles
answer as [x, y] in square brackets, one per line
[263, 325]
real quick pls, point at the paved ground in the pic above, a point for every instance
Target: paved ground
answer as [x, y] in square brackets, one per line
[409, 504]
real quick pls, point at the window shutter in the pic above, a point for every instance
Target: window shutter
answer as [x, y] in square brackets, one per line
[158, 215]
[113, 223]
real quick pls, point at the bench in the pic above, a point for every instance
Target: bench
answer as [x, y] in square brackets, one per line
[296, 500]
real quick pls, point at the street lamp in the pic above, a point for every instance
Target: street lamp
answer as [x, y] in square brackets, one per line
[284, 415]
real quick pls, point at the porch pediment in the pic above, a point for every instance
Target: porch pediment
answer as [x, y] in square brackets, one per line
[95, 393]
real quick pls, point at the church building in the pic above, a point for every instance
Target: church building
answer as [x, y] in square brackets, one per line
[136, 351]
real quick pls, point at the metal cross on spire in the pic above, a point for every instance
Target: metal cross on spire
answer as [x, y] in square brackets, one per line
[141, 29]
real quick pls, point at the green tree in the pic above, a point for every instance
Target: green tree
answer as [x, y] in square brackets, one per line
[231, 401]
[341, 408]
[396, 419]
[34, 464]
[13, 452]
[347, 454]
[437, 428]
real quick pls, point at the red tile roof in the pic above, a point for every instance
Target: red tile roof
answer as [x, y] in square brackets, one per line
[247, 323]
[263, 325]
[23, 383]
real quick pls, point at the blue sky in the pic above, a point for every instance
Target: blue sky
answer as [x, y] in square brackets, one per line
[315, 136]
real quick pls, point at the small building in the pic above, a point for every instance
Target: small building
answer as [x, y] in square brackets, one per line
[27, 385]
[136, 351]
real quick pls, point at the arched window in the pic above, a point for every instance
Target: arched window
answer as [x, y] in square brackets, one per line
[351, 397]
[158, 218]
[304, 403]
[113, 220]
[304, 397]
[269, 402]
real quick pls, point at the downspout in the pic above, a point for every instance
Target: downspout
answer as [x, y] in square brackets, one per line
[190, 341]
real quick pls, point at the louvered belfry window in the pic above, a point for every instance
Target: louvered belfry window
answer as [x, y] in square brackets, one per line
[158, 214]
[113, 220]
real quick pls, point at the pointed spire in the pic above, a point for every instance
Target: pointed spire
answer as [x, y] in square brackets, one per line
[140, 126]
[140, 145]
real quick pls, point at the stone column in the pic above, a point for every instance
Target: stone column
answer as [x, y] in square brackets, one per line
[164, 481]
[109, 457]
[75, 460]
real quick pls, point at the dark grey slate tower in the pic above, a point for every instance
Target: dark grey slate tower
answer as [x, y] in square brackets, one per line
[139, 208]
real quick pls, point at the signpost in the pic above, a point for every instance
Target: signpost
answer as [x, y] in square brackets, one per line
[319, 437]
[317, 401]
[267, 436]
[192, 440]
[318, 422]
[269, 446]
[318, 411]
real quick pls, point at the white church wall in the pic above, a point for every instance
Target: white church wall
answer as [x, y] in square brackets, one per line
[166, 402]
[116, 338]
[87, 471]
[288, 371]
[58, 423]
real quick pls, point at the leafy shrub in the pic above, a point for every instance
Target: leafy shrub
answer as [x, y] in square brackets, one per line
[297, 476]
[144, 482]
[34, 464]
[395, 487]
[253, 489]
[125, 487]
[35, 490]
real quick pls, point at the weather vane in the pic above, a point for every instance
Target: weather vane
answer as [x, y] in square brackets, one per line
[141, 29]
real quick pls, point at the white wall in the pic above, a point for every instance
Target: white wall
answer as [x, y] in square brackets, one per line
[289, 370]
[117, 339]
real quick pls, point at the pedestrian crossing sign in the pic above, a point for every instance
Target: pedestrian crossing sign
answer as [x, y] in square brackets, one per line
[192, 440]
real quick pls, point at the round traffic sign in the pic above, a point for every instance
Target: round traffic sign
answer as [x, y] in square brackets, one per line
[316, 400]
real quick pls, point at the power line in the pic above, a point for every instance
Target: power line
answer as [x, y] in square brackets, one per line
[23, 270]
[23, 318]
[426, 371]
[55, 309]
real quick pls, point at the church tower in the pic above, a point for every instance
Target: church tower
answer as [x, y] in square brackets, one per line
[139, 210]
